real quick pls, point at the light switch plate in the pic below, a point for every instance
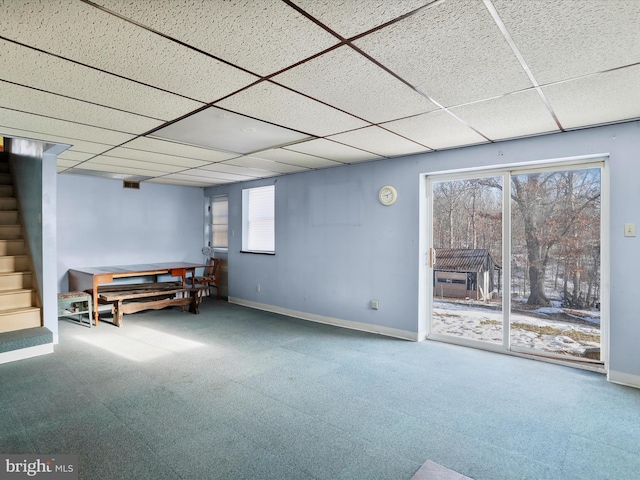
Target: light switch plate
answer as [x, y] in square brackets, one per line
[629, 229]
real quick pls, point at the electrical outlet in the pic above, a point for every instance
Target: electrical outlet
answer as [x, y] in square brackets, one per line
[629, 229]
[258, 287]
[374, 304]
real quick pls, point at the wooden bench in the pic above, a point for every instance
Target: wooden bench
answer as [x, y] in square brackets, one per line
[134, 298]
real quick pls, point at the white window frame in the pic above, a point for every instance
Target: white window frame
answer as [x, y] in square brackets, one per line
[258, 220]
[218, 225]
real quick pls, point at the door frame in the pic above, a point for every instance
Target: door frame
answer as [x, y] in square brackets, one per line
[425, 225]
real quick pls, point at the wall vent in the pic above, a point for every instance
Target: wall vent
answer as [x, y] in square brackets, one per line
[131, 184]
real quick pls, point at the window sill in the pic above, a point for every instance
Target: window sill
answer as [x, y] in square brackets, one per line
[257, 252]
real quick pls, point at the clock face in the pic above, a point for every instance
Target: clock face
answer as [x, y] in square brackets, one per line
[387, 195]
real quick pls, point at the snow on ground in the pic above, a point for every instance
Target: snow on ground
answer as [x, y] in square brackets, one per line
[478, 323]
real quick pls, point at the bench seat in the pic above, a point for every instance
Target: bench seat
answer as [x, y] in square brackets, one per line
[136, 300]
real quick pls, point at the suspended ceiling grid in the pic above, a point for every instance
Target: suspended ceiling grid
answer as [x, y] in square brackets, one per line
[202, 93]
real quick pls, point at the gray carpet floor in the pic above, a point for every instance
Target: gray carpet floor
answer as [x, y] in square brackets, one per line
[235, 393]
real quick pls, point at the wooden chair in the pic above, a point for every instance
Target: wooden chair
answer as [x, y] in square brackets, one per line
[210, 277]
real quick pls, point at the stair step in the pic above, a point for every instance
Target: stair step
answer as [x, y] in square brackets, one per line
[12, 247]
[12, 299]
[10, 232]
[9, 217]
[15, 281]
[29, 337]
[6, 190]
[19, 318]
[8, 203]
[5, 178]
[14, 263]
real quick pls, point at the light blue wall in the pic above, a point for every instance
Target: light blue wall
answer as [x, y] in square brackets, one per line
[337, 247]
[101, 223]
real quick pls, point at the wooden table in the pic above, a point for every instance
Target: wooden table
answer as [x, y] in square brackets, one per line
[90, 278]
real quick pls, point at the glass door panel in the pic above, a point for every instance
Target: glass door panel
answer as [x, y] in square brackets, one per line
[555, 263]
[467, 271]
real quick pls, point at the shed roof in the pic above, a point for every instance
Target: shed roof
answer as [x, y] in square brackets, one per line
[461, 259]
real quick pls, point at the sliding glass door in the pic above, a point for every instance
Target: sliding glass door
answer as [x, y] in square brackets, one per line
[515, 261]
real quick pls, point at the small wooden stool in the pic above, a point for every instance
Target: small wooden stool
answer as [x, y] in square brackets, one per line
[71, 304]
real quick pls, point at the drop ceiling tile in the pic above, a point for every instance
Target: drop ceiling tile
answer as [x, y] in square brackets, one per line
[262, 164]
[210, 174]
[225, 29]
[100, 165]
[37, 102]
[562, 39]
[333, 151]
[184, 183]
[514, 115]
[198, 178]
[105, 174]
[603, 98]
[379, 141]
[296, 158]
[108, 159]
[60, 128]
[351, 18]
[60, 169]
[228, 131]
[64, 164]
[280, 106]
[76, 145]
[347, 80]
[73, 155]
[178, 149]
[144, 156]
[245, 171]
[454, 52]
[39, 70]
[115, 45]
[436, 129]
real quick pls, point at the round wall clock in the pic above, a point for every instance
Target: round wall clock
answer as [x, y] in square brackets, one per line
[388, 195]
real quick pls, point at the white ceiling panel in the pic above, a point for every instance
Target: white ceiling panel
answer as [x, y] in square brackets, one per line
[101, 165]
[72, 155]
[115, 45]
[379, 141]
[436, 129]
[127, 162]
[263, 164]
[353, 17]
[41, 103]
[39, 70]
[153, 157]
[346, 79]
[64, 164]
[514, 115]
[228, 131]
[601, 98]
[54, 127]
[224, 29]
[234, 169]
[175, 181]
[280, 106]
[333, 151]
[561, 39]
[229, 177]
[453, 52]
[296, 158]
[198, 179]
[178, 149]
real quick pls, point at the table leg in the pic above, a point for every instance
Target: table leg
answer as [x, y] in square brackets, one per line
[95, 300]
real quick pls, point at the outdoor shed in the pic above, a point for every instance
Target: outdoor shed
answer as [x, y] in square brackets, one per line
[465, 272]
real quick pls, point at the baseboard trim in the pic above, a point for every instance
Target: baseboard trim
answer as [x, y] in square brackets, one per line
[624, 379]
[337, 322]
[24, 353]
